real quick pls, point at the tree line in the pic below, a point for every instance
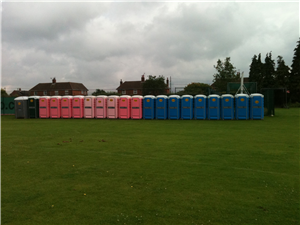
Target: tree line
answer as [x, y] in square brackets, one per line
[283, 76]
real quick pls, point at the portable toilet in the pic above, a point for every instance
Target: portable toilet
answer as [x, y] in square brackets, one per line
[66, 106]
[174, 107]
[200, 107]
[242, 106]
[124, 106]
[89, 106]
[78, 106]
[187, 107]
[44, 105]
[213, 110]
[136, 107]
[113, 106]
[100, 106]
[256, 106]
[33, 107]
[149, 107]
[55, 106]
[161, 107]
[21, 107]
[227, 107]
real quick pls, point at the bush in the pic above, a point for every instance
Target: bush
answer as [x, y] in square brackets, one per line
[294, 105]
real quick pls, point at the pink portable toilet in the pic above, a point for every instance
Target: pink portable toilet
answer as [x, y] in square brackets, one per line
[137, 107]
[44, 107]
[66, 106]
[100, 106]
[89, 106]
[77, 103]
[124, 107]
[55, 104]
[112, 107]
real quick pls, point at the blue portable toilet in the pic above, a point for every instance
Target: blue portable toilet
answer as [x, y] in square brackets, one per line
[227, 107]
[256, 106]
[161, 103]
[187, 107]
[213, 107]
[149, 107]
[174, 107]
[200, 107]
[242, 106]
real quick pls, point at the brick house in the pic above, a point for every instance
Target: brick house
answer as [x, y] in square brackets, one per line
[135, 87]
[58, 88]
[19, 92]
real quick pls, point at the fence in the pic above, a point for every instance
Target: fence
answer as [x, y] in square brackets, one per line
[7, 106]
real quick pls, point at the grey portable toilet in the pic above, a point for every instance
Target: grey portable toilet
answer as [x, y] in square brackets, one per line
[21, 109]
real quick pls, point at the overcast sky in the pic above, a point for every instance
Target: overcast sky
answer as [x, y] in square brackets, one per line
[99, 43]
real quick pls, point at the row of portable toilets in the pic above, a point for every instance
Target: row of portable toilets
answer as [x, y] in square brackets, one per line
[212, 107]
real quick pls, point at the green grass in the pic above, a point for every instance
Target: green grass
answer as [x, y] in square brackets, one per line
[150, 172]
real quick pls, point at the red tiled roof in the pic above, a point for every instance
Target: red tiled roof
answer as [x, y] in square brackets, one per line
[19, 93]
[131, 85]
[58, 86]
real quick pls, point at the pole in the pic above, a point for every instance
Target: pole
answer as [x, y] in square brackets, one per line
[242, 83]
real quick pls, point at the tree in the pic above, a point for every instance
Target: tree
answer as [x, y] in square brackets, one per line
[3, 93]
[226, 72]
[256, 71]
[196, 88]
[282, 73]
[99, 92]
[268, 72]
[154, 85]
[294, 81]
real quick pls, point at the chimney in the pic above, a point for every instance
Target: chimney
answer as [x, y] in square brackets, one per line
[19, 89]
[54, 80]
[121, 82]
[167, 82]
[143, 78]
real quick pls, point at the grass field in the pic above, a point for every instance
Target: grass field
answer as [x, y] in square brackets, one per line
[94, 171]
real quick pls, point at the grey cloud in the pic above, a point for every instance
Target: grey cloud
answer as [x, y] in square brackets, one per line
[100, 43]
[46, 20]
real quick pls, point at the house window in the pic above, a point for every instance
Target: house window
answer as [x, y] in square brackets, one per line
[56, 92]
[66, 92]
[123, 92]
[35, 93]
[134, 92]
[45, 92]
